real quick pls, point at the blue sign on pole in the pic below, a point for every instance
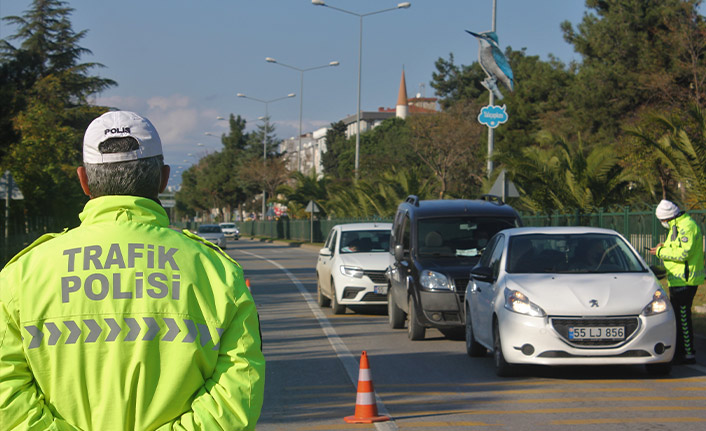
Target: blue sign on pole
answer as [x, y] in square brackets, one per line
[492, 116]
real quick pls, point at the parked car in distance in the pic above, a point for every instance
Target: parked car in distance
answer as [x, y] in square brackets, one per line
[434, 244]
[567, 296]
[212, 233]
[350, 270]
[230, 230]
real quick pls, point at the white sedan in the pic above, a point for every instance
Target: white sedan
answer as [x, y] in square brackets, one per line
[567, 296]
[212, 233]
[351, 267]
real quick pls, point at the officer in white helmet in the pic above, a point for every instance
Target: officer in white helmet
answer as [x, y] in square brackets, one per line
[683, 256]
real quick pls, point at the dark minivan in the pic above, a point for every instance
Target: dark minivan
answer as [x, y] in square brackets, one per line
[434, 244]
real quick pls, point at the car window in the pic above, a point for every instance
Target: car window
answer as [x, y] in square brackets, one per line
[327, 243]
[485, 258]
[209, 229]
[332, 244]
[496, 255]
[571, 253]
[227, 225]
[406, 234]
[365, 241]
[465, 236]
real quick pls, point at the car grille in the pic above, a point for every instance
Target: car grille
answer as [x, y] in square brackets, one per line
[376, 276]
[373, 297]
[561, 326]
[461, 284]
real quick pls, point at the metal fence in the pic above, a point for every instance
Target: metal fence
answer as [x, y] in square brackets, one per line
[299, 230]
[22, 231]
[641, 227]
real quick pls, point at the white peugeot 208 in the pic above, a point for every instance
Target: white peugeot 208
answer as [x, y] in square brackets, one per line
[567, 296]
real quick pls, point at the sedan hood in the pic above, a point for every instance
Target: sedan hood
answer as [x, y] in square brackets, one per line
[368, 261]
[587, 294]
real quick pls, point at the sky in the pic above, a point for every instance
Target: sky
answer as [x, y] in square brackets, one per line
[181, 63]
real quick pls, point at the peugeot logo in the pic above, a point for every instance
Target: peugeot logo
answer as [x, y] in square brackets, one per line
[594, 303]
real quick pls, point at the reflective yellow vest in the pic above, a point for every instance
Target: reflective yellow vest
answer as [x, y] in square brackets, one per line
[683, 252]
[126, 324]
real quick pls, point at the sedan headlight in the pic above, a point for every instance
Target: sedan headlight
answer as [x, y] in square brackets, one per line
[352, 271]
[432, 280]
[659, 304]
[518, 302]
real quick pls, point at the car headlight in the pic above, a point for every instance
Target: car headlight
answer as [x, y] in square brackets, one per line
[518, 302]
[659, 304]
[352, 271]
[432, 280]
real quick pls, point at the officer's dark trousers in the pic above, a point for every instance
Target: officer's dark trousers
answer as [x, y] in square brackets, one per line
[681, 298]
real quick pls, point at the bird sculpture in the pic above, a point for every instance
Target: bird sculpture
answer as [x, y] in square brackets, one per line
[493, 62]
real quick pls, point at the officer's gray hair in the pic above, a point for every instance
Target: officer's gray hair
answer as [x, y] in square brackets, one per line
[134, 178]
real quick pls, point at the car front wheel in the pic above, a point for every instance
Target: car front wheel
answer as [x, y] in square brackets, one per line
[321, 299]
[394, 313]
[415, 329]
[502, 368]
[473, 348]
[335, 306]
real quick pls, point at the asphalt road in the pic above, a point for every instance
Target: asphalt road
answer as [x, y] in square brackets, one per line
[312, 370]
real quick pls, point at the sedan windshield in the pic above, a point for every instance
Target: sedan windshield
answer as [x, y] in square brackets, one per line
[571, 253]
[365, 241]
[457, 236]
[209, 229]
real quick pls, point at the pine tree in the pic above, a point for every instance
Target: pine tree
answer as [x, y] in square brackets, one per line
[48, 109]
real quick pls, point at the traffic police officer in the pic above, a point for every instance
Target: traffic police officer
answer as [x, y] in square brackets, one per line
[124, 323]
[683, 257]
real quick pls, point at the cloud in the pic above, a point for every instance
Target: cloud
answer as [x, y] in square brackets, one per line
[166, 103]
[134, 104]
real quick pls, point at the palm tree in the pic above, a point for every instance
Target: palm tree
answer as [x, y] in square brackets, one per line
[682, 148]
[567, 176]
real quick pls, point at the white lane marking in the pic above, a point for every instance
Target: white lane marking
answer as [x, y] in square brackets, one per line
[344, 355]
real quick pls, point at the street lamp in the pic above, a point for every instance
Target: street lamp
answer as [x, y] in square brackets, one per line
[301, 97]
[404, 5]
[264, 133]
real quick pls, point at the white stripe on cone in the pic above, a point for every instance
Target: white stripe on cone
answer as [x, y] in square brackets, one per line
[365, 399]
[364, 375]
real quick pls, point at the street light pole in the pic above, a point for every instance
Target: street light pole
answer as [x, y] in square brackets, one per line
[301, 97]
[264, 134]
[403, 5]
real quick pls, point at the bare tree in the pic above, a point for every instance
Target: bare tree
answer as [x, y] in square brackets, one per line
[449, 142]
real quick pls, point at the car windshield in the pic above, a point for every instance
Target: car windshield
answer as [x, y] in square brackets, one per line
[227, 226]
[209, 229]
[571, 253]
[365, 241]
[457, 236]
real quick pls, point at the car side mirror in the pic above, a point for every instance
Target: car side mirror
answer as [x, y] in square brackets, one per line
[399, 252]
[324, 252]
[482, 273]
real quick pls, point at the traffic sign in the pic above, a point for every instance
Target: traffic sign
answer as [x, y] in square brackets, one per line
[312, 207]
[6, 179]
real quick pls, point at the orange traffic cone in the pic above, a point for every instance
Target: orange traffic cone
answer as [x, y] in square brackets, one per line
[366, 410]
[247, 283]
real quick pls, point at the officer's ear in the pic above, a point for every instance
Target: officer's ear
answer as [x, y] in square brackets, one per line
[83, 179]
[165, 178]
